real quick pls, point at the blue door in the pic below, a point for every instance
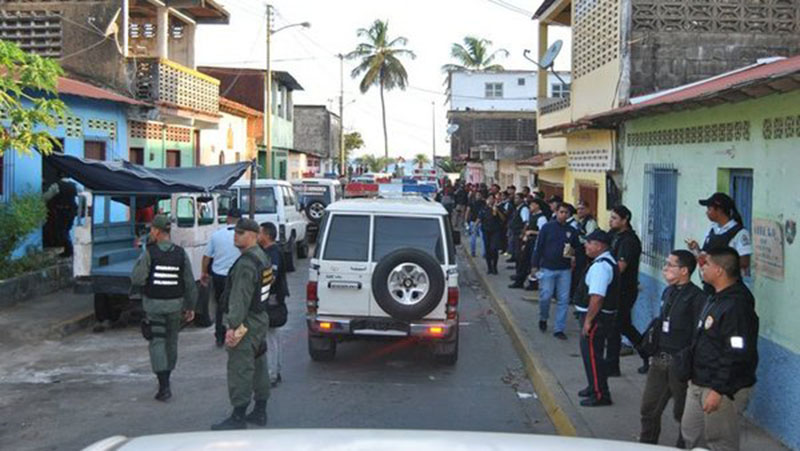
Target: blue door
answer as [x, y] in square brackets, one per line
[741, 189]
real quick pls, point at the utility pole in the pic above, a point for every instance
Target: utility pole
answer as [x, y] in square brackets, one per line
[342, 153]
[433, 127]
[268, 98]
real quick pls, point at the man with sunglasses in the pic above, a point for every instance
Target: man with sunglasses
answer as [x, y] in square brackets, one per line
[681, 304]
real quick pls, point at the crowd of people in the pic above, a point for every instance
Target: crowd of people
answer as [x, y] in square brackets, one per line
[700, 351]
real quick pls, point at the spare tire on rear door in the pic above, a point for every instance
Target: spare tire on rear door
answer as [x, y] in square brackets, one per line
[314, 211]
[408, 284]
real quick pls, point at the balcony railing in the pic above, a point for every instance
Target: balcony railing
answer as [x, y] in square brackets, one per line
[166, 82]
[553, 104]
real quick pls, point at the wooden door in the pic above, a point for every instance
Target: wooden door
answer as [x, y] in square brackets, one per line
[588, 194]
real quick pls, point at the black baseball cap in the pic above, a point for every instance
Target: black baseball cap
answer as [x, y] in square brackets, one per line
[234, 213]
[554, 199]
[720, 200]
[599, 235]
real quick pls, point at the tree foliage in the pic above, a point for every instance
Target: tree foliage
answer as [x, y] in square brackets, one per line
[20, 216]
[421, 160]
[373, 163]
[447, 165]
[474, 54]
[379, 61]
[31, 78]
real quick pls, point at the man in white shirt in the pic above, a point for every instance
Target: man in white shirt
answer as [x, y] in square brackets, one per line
[219, 256]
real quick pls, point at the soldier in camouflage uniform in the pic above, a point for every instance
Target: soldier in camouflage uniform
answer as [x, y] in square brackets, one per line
[246, 293]
[169, 294]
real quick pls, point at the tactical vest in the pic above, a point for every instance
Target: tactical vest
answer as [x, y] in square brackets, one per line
[582, 225]
[534, 222]
[610, 300]
[517, 224]
[65, 199]
[258, 303]
[714, 241]
[166, 273]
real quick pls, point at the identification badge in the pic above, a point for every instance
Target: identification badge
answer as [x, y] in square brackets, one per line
[665, 327]
[709, 322]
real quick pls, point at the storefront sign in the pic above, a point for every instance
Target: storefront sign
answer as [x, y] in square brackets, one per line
[768, 248]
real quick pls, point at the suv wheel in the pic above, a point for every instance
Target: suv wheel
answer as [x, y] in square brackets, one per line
[321, 349]
[446, 351]
[314, 211]
[408, 284]
[302, 248]
[289, 255]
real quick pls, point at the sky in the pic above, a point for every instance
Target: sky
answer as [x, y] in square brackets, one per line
[431, 27]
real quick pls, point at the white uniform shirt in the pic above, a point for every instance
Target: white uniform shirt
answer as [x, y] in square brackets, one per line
[599, 277]
[221, 248]
[541, 221]
[741, 241]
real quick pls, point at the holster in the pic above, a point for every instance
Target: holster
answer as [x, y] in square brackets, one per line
[262, 349]
[147, 330]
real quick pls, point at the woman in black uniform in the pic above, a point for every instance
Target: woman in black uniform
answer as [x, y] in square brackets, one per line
[492, 219]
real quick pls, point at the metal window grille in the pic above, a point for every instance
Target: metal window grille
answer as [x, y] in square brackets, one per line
[504, 130]
[660, 206]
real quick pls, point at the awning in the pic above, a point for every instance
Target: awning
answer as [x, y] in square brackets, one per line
[122, 176]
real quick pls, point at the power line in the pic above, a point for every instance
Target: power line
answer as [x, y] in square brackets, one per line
[464, 96]
[252, 48]
[511, 7]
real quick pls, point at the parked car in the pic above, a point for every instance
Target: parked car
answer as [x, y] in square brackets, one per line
[386, 268]
[277, 203]
[316, 194]
[362, 439]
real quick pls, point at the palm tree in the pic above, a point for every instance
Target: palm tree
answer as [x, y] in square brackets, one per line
[421, 159]
[474, 55]
[380, 64]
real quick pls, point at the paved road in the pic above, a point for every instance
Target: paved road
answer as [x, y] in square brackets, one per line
[69, 393]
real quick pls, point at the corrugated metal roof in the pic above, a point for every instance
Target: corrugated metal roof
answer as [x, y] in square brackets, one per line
[770, 76]
[539, 159]
[69, 86]
[542, 8]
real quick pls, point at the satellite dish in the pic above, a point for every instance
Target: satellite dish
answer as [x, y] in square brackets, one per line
[112, 29]
[549, 57]
[452, 128]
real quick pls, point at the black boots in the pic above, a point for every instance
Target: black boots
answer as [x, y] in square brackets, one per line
[164, 392]
[235, 421]
[258, 415]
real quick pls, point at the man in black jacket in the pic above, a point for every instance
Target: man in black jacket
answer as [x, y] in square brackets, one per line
[681, 304]
[724, 356]
[279, 291]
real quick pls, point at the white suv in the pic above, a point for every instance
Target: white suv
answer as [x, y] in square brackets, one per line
[277, 203]
[384, 268]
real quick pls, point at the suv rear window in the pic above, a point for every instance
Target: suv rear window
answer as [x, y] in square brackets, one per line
[392, 233]
[348, 239]
[265, 200]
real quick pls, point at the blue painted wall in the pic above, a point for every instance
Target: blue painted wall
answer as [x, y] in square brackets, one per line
[23, 173]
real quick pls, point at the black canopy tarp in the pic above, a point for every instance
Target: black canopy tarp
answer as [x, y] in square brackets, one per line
[122, 176]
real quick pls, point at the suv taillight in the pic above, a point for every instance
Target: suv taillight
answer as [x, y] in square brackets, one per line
[311, 298]
[452, 302]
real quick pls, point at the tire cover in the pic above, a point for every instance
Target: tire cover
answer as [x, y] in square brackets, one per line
[383, 297]
[308, 211]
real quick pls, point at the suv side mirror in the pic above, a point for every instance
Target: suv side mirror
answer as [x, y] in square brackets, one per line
[456, 237]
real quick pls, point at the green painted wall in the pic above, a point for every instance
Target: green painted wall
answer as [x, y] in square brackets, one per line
[702, 170]
[282, 132]
[157, 148]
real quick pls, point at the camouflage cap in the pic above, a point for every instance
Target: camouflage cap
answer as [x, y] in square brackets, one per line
[247, 225]
[162, 222]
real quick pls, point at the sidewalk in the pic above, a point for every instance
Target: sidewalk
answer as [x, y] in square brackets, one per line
[48, 317]
[556, 370]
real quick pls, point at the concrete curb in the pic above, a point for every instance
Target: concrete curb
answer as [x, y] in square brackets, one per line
[71, 325]
[543, 380]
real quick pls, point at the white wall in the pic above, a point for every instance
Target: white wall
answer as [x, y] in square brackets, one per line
[215, 141]
[468, 90]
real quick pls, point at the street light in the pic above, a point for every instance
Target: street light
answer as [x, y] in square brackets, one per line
[268, 85]
[267, 110]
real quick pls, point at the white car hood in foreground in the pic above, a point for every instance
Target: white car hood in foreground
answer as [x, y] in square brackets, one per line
[360, 440]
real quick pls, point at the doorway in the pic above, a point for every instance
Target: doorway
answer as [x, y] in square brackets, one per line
[588, 193]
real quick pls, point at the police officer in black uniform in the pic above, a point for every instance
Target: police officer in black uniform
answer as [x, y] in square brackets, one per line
[627, 249]
[519, 219]
[60, 197]
[537, 219]
[668, 335]
[723, 356]
[595, 306]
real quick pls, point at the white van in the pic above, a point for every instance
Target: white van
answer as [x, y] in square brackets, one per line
[277, 203]
[387, 268]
